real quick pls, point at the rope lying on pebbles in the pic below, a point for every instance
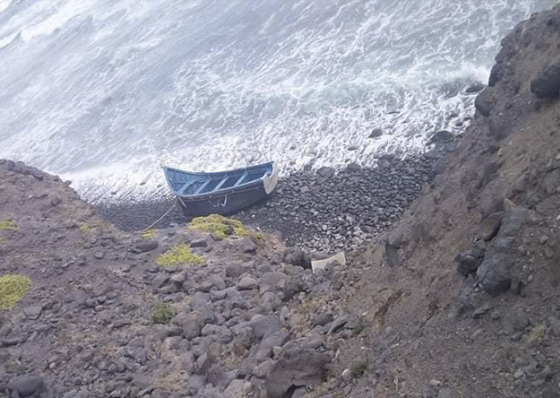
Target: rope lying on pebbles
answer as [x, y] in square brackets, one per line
[134, 216]
[161, 218]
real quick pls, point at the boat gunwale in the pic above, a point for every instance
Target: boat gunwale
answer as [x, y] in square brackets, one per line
[201, 173]
[216, 194]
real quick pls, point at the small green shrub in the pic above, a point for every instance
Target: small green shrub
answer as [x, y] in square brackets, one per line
[87, 228]
[179, 255]
[359, 327]
[537, 334]
[162, 314]
[13, 288]
[7, 224]
[359, 368]
[220, 226]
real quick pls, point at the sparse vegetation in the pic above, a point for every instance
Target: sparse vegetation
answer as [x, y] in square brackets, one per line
[220, 226]
[7, 224]
[359, 368]
[537, 334]
[179, 255]
[148, 234]
[13, 288]
[162, 314]
[87, 228]
[359, 327]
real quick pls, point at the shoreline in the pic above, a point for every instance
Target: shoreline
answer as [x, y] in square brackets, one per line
[316, 210]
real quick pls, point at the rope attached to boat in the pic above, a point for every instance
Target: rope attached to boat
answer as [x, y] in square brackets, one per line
[161, 218]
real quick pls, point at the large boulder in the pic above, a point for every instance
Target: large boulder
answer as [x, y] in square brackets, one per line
[248, 246]
[272, 282]
[491, 225]
[190, 324]
[375, 133]
[267, 344]
[326, 172]
[236, 270]
[26, 385]
[441, 137]
[297, 367]
[298, 257]
[482, 104]
[247, 283]
[496, 74]
[467, 263]
[144, 246]
[236, 389]
[495, 274]
[221, 333]
[264, 325]
[502, 259]
[547, 82]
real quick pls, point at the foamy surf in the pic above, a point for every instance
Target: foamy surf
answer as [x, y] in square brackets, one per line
[102, 92]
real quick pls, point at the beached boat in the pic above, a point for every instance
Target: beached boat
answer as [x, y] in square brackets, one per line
[223, 192]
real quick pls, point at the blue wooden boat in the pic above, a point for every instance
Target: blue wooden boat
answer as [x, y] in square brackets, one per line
[223, 192]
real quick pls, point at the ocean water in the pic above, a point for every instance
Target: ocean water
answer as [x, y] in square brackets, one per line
[104, 91]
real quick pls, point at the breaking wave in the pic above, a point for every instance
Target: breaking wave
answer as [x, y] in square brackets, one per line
[102, 92]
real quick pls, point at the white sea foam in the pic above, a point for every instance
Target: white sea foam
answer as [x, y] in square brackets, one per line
[63, 12]
[4, 4]
[103, 91]
[7, 40]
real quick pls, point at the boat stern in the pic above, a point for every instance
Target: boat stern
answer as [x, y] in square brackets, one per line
[270, 181]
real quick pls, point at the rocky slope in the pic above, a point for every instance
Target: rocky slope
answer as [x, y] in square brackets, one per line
[459, 299]
[210, 310]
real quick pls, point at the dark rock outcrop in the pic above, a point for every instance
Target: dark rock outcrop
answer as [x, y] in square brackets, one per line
[503, 258]
[481, 104]
[547, 82]
[145, 246]
[297, 367]
[26, 385]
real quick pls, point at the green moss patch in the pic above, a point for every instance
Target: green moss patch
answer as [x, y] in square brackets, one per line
[537, 334]
[12, 289]
[359, 368]
[220, 226]
[162, 313]
[179, 255]
[87, 228]
[149, 234]
[7, 224]
[359, 327]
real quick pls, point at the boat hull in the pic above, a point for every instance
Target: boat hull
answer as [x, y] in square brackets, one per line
[225, 192]
[225, 204]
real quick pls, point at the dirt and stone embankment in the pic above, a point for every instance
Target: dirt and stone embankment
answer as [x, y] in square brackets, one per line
[460, 299]
[212, 309]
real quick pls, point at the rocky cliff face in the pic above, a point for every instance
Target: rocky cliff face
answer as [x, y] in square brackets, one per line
[459, 299]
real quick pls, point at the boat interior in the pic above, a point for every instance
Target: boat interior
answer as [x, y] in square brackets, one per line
[186, 183]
